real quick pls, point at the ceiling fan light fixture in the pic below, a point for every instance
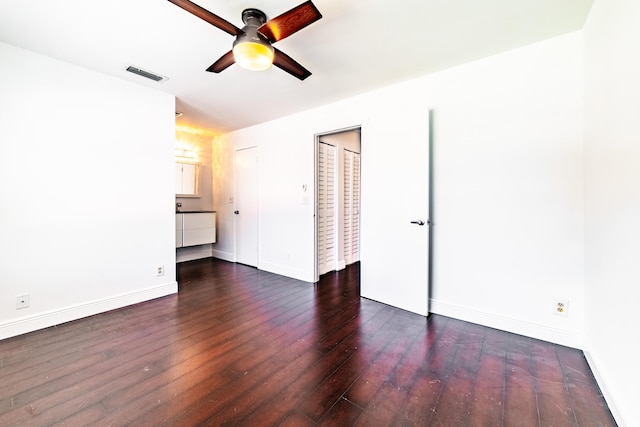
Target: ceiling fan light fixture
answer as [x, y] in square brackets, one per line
[252, 47]
[253, 56]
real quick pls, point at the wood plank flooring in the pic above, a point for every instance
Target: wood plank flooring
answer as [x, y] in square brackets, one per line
[238, 346]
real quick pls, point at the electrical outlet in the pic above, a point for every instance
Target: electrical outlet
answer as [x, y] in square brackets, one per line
[561, 307]
[22, 301]
[160, 271]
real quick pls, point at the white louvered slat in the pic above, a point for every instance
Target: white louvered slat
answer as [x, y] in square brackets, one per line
[351, 207]
[326, 208]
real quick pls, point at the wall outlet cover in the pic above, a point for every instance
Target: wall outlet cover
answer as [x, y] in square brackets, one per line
[22, 301]
[561, 307]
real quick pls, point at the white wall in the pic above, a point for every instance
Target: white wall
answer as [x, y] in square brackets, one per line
[508, 189]
[86, 191]
[508, 185]
[223, 197]
[612, 176]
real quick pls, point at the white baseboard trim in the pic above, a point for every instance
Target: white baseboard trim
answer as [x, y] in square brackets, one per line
[594, 364]
[189, 253]
[286, 271]
[66, 314]
[223, 255]
[533, 330]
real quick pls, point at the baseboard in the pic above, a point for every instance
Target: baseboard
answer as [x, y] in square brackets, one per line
[287, 271]
[529, 329]
[189, 253]
[55, 317]
[594, 364]
[225, 256]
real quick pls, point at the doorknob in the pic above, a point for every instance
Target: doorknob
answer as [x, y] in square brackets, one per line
[236, 212]
[419, 222]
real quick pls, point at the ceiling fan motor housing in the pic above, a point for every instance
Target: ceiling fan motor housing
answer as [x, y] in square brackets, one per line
[251, 35]
[251, 49]
[253, 19]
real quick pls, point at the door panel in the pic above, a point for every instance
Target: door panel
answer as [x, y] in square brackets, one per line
[351, 207]
[327, 251]
[246, 197]
[394, 253]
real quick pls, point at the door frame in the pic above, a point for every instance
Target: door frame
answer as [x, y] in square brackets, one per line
[316, 142]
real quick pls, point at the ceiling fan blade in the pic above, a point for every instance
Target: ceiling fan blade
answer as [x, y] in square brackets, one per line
[221, 64]
[294, 20]
[211, 18]
[286, 63]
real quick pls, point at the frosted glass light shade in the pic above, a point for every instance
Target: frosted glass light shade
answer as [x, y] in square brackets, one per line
[253, 56]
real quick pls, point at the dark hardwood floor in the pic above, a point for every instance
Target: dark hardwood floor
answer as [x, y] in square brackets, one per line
[239, 346]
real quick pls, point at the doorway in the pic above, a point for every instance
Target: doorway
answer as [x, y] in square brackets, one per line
[394, 214]
[337, 200]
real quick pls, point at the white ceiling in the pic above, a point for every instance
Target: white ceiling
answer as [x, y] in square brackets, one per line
[357, 46]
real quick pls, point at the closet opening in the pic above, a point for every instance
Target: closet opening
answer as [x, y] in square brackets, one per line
[338, 184]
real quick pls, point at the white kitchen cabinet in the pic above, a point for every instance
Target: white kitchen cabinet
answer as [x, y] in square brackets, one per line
[195, 228]
[179, 230]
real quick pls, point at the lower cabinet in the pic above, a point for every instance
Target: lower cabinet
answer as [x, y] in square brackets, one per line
[179, 230]
[195, 228]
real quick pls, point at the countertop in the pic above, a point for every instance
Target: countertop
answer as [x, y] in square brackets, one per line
[195, 212]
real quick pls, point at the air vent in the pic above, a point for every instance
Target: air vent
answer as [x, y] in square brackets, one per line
[147, 74]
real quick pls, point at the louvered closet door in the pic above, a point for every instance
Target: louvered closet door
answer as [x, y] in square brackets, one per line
[327, 256]
[351, 207]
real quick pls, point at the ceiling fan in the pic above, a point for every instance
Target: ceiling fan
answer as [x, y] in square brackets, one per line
[253, 48]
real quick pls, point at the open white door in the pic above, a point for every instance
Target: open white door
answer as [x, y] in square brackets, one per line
[394, 251]
[246, 206]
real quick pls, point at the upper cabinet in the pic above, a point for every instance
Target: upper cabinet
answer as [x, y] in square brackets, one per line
[187, 175]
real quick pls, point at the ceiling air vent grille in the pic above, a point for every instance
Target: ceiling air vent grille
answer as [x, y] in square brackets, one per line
[147, 74]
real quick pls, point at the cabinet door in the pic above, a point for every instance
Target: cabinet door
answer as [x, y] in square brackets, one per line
[179, 230]
[186, 179]
[178, 185]
[189, 174]
[198, 229]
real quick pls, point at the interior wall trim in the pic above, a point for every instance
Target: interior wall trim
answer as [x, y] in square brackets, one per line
[284, 270]
[190, 253]
[66, 314]
[224, 255]
[503, 323]
[601, 379]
